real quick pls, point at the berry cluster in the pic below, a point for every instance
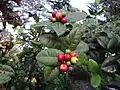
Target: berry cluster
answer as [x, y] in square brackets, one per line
[59, 16]
[67, 59]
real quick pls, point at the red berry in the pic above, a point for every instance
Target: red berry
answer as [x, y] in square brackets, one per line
[67, 57]
[61, 57]
[63, 68]
[74, 54]
[64, 20]
[54, 13]
[59, 15]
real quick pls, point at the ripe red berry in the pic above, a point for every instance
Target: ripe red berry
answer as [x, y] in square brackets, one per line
[54, 13]
[63, 68]
[74, 54]
[59, 15]
[67, 57]
[61, 57]
[64, 20]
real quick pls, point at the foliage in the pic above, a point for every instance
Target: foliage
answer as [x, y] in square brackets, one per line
[31, 60]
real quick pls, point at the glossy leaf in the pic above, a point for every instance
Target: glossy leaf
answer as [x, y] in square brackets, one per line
[117, 45]
[83, 59]
[5, 73]
[109, 65]
[48, 57]
[103, 41]
[52, 41]
[4, 79]
[44, 23]
[74, 38]
[82, 46]
[112, 43]
[48, 40]
[59, 28]
[50, 73]
[92, 55]
[95, 80]
[93, 66]
[76, 16]
[7, 70]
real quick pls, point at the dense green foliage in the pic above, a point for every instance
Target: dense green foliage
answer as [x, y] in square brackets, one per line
[30, 60]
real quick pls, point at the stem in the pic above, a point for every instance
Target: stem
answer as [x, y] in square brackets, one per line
[66, 80]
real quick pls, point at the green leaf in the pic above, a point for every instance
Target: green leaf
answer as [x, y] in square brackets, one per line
[36, 27]
[82, 46]
[48, 57]
[36, 43]
[16, 49]
[83, 59]
[59, 28]
[27, 88]
[112, 43]
[50, 73]
[44, 23]
[20, 31]
[4, 79]
[82, 55]
[117, 46]
[110, 65]
[95, 80]
[7, 70]
[13, 88]
[5, 73]
[48, 40]
[52, 41]
[93, 66]
[76, 16]
[74, 38]
[103, 41]
[97, 1]
[93, 55]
